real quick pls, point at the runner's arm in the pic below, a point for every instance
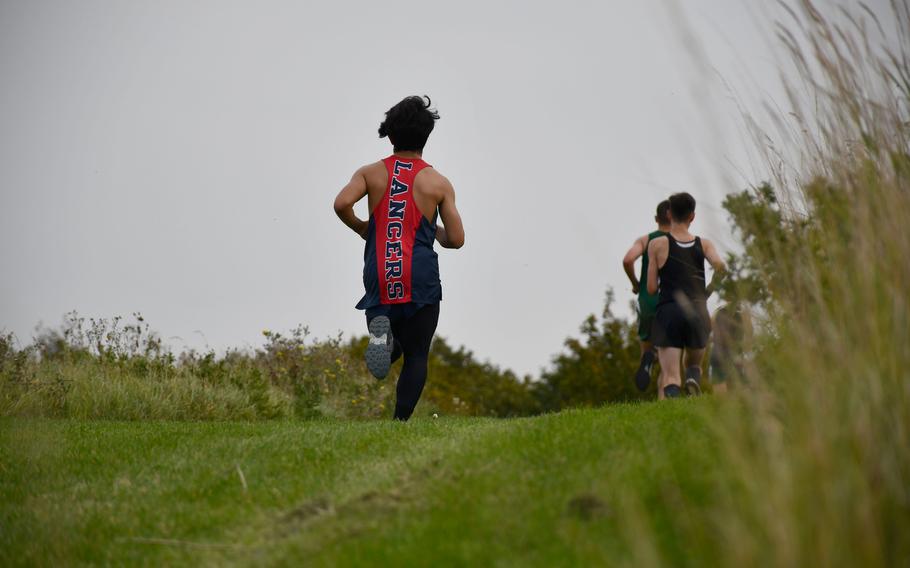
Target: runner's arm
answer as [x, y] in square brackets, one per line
[628, 261]
[347, 197]
[717, 263]
[653, 247]
[451, 233]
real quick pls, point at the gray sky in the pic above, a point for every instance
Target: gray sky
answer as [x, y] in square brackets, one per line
[180, 158]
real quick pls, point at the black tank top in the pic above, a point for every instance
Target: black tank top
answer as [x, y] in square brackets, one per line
[683, 272]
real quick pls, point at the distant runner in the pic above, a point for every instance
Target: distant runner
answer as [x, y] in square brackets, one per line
[647, 303]
[731, 345]
[677, 270]
[401, 272]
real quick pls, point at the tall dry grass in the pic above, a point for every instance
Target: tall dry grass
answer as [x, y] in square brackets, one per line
[816, 449]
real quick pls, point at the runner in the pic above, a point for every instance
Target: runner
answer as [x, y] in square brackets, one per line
[405, 196]
[731, 344]
[647, 303]
[682, 321]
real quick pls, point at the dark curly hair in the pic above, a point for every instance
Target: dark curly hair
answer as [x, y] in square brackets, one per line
[409, 123]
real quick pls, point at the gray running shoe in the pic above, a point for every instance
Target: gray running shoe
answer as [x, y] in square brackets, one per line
[379, 351]
[693, 381]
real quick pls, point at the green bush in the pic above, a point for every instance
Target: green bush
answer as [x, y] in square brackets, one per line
[100, 368]
[596, 369]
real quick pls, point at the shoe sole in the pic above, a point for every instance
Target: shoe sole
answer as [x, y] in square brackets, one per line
[378, 355]
[692, 387]
[642, 379]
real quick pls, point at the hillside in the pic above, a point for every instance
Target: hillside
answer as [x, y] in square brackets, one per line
[568, 488]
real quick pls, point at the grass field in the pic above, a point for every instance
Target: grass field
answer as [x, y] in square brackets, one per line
[550, 490]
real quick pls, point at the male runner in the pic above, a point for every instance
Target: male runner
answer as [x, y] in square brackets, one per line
[682, 321]
[647, 303]
[731, 345]
[401, 271]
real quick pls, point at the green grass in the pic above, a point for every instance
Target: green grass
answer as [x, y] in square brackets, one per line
[552, 490]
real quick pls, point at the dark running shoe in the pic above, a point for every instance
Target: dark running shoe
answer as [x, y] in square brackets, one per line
[643, 375]
[693, 381]
[379, 351]
[672, 391]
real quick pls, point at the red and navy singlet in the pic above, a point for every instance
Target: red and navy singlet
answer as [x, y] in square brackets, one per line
[399, 263]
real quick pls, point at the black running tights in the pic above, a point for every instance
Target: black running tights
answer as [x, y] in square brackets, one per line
[413, 337]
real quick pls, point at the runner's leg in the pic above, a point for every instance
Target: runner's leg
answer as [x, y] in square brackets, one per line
[670, 380]
[414, 335]
[717, 369]
[696, 336]
[693, 360]
[643, 375]
[646, 317]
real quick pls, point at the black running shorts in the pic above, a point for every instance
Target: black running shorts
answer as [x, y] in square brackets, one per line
[685, 329]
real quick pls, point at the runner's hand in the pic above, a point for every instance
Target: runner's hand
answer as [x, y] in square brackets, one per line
[635, 288]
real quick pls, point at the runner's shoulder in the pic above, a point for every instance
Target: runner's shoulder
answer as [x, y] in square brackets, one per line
[430, 180]
[372, 167]
[659, 241]
[374, 172]
[430, 174]
[658, 244]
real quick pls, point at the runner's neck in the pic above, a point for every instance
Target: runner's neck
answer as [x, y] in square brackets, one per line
[409, 155]
[681, 233]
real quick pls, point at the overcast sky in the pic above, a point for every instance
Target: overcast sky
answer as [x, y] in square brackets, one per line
[181, 158]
